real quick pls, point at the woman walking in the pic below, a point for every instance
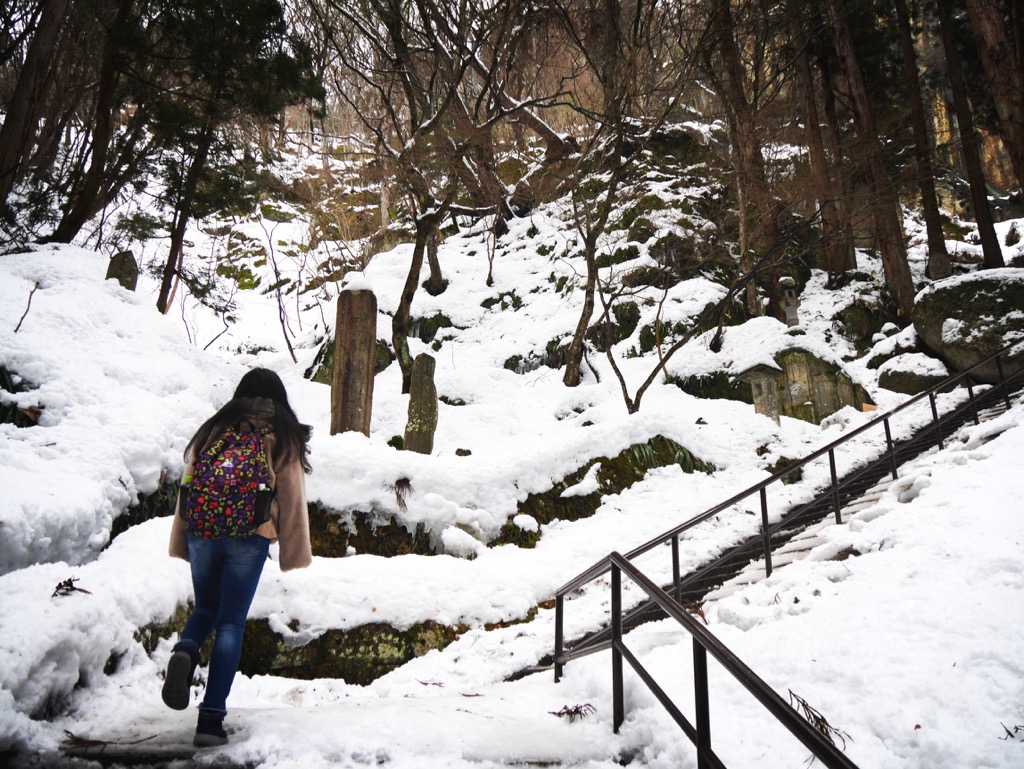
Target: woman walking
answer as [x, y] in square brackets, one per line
[226, 542]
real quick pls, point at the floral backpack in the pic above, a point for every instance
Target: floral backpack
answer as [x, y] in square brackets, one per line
[228, 493]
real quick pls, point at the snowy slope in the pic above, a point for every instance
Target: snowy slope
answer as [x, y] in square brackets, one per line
[913, 649]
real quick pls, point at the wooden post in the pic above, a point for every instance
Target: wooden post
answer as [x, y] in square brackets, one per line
[419, 430]
[123, 269]
[355, 338]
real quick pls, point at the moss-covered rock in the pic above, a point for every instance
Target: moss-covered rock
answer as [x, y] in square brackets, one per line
[715, 386]
[159, 504]
[332, 533]
[968, 318]
[615, 474]
[9, 413]
[911, 373]
[359, 656]
[645, 205]
[425, 329]
[861, 320]
[642, 230]
[512, 534]
[619, 256]
[626, 317]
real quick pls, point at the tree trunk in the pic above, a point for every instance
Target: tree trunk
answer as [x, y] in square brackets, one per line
[884, 201]
[181, 217]
[1003, 70]
[436, 284]
[574, 357]
[23, 111]
[836, 246]
[938, 257]
[401, 322]
[758, 209]
[835, 147]
[992, 254]
[102, 133]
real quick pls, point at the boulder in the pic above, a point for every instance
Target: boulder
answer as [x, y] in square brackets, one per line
[911, 373]
[968, 318]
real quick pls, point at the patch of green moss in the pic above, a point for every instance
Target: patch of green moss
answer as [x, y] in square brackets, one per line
[513, 363]
[503, 301]
[602, 335]
[657, 332]
[783, 462]
[425, 329]
[321, 368]
[642, 230]
[357, 656]
[625, 254]
[272, 213]
[860, 321]
[511, 534]
[158, 504]
[713, 386]
[642, 207]
[615, 474]
[9, 413]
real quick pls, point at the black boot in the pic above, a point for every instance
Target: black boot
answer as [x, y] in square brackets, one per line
[210, 729]
[178, 680]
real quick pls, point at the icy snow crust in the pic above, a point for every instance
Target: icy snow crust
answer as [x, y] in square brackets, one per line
[913, 649]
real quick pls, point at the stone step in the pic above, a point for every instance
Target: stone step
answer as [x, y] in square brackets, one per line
[808, 540]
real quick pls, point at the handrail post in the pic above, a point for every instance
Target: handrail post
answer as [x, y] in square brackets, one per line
[618, 702]
[835, 485]
[1002, 380]
[974, 405]
[935, 419]
[675, 567]
[892, 450]
[703, 709]
[559, 637]
[767, 533]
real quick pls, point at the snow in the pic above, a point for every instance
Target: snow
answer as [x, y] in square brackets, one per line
[912, 646]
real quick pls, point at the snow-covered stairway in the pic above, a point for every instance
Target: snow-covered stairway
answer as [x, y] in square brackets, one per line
[811, 538]
[796, 532]
[801, 544]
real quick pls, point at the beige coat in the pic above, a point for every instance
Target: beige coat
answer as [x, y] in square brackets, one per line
[289, 523]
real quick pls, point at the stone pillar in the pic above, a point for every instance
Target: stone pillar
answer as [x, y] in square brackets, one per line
[419, 430]
[124, 269]
[355, 338]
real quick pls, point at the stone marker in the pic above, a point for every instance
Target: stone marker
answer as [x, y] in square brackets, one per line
[124, 269]
[355, 337]
[419, 430]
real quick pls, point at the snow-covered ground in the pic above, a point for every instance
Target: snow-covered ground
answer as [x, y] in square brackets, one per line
[913, 649]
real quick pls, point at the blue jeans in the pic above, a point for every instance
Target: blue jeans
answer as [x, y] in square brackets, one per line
[225, 573]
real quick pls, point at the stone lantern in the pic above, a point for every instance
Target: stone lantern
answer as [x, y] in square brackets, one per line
[790, 302]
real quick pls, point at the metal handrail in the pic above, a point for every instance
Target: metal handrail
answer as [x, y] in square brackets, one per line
[602, 566]
[703, 644]
[617, 563]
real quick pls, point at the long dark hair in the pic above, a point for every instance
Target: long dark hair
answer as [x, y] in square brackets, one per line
[260, 387]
